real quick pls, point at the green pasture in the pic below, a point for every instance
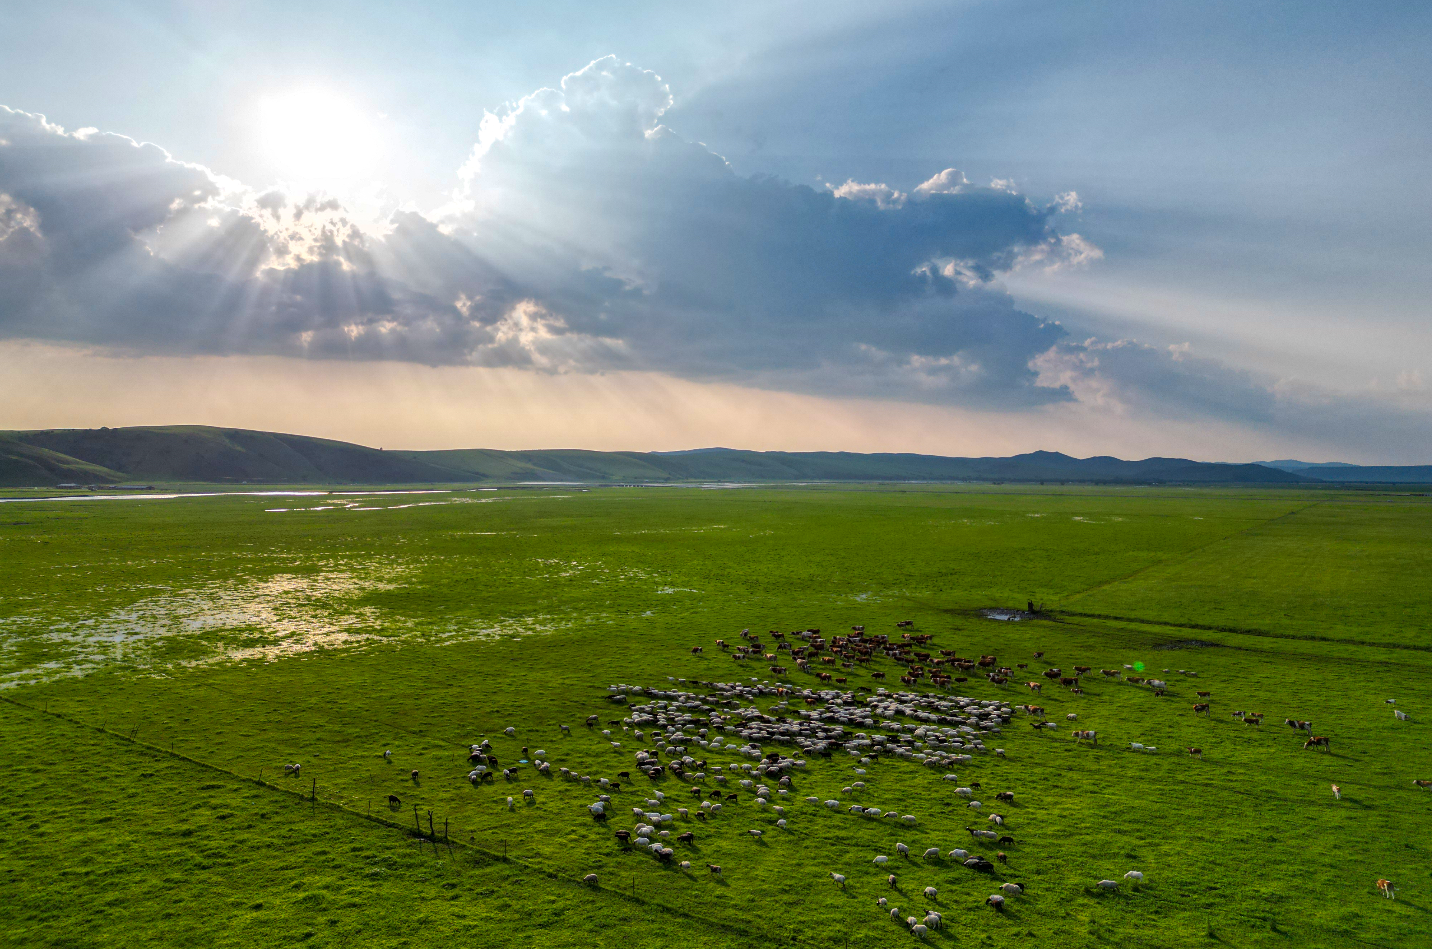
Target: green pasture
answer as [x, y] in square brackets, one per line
[165, 659]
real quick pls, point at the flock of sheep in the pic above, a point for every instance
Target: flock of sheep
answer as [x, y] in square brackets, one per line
[676, 735]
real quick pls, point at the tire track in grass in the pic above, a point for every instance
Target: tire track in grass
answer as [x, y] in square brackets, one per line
[1242, 631]
[489, 856]
[1188, 555]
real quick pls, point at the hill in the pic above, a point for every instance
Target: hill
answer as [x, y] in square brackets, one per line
[197, 453]
[1342, 472]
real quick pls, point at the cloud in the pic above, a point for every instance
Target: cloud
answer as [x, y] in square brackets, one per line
[584, 235]
[578, 212]
[1128, 378]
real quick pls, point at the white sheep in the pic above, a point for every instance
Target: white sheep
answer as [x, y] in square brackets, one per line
[919, 929]
[509, 731]
[838, 878]
[1134, 875]
[1072, 717]
[1011, 889]
[902, 850]
[832, 804]
[590, 879]
[933, 852]
[958, 854]
[781, 823]
[931, 893]
[1107, 884]
[909, 819]
[881, 860]
[976, 805]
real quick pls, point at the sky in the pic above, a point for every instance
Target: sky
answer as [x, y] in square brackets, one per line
[1193, 229]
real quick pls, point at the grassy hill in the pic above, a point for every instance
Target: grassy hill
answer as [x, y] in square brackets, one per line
[200, 453]
[231, 455]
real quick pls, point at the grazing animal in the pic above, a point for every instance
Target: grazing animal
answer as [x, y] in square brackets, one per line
[415, 774]
[997, 902]
[1011, 889]
[394, 801]
[1134, 875]
[1107, 884]
[1422, 784]
[838, 878]
[1196, 752]
[715, 870]
[919, 930]
[931, 893]
[1001, 857]
[1337, 792]
[891, 881]
[292, 769]
[1386, 888]
[1400, 715]
[1318, 741]
[387, 756]
[1202, 708]
[687, 837]
[590, 879]
[1007, 796]
[1088, 735]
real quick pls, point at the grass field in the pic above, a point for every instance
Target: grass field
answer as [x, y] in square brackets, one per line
[165, 659]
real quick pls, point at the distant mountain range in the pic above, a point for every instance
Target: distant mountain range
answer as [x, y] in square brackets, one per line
[195, 453]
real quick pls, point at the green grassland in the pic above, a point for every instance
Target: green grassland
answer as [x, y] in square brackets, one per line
[165, 659]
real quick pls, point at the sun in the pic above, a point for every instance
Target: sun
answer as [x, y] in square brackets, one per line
[317, 140]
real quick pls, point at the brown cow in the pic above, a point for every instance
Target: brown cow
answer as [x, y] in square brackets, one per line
[1320, 741]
